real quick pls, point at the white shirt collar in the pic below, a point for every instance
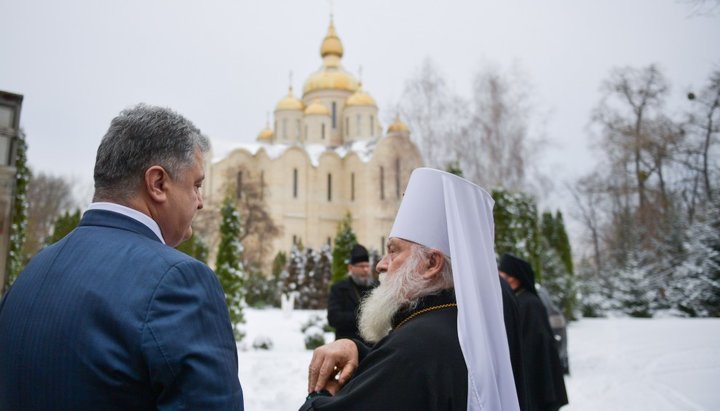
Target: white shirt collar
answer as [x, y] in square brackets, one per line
[129, 212]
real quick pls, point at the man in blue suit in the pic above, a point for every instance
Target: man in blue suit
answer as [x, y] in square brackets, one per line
[112, 317]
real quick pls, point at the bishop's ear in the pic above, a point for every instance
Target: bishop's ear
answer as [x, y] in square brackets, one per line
[434, 265]
[156, 180]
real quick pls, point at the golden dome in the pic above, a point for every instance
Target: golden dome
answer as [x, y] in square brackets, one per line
[266, 134]
[289, 102]
[317, 108]
[331, 75]
[330, 78]
[360, 98]
[331, 44]
[398, 126]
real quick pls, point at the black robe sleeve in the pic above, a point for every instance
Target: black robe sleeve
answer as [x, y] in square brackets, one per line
[417, 367]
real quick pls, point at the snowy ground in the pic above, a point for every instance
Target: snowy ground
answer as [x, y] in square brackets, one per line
[616, 364]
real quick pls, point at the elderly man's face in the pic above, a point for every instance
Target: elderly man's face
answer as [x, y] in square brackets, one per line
[406, 275]
[398, 251]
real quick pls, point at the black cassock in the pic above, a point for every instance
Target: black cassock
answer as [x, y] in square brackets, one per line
[418, 366]
[343, 304]
[545, 387]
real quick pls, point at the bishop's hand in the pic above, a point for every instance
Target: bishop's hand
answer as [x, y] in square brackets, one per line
[332, 365]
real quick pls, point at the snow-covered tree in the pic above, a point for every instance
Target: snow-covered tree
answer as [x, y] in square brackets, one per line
[695, 285]
[294, 274]
[229, 268]
[16, 259]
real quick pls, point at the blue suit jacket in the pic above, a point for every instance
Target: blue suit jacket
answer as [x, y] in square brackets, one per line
[109, 318]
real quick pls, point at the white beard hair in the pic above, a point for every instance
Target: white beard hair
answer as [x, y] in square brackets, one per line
[397, 290]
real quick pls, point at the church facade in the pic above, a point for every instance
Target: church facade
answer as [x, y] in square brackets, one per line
[326, 155]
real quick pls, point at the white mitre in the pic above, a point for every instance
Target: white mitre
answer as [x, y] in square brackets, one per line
[446, 212]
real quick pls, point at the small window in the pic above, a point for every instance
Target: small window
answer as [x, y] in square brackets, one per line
[322, 131]
[372, 126]
[358, 129]
[297, 130]
[238, 185]
[295, 183]
[397, 177]
[382, 183]
[329, 187]
[334, 113]
[352, 186]
[284, 128]
[382, 245]
[347, 126]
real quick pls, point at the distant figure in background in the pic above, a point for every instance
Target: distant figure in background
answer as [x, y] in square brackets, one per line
[545, 387]
[511, 316]
[345, 295]
[112, 317]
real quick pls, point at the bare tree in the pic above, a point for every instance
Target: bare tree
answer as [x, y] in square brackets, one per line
[48, 197]
[629, 115]
[501, 128]
[430, 108]
[705, 123]
[487, 137]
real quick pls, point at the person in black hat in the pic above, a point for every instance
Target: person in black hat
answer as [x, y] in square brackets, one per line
[345, 295]
[544, 384]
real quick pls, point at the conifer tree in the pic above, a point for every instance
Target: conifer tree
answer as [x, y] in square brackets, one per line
[516, 227]
[557, 275]
[294, 274]
[16, 259]
[195, 247]
[229, 267]
[64, 224]
[344, 241]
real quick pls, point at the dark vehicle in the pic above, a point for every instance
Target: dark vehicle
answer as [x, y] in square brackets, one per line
[558, 325]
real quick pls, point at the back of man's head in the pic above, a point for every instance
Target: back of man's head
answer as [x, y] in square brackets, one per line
[138, 138]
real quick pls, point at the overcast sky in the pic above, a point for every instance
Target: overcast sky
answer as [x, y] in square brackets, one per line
[225, 63]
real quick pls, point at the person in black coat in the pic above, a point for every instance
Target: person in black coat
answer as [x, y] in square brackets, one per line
[345, 295]
[511, 316]
[543, 372]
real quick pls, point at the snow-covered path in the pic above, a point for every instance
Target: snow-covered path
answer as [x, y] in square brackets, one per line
[616, 364]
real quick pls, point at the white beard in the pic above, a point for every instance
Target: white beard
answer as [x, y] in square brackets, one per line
[396, 290]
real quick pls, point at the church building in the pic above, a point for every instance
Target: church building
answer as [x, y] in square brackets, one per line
[326, 155]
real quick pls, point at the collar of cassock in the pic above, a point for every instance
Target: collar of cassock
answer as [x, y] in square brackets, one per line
[427, 303]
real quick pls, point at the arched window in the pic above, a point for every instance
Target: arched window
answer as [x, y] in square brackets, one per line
[322, 131]
[372, 126]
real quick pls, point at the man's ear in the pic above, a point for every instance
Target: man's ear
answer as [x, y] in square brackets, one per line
[434, 265]
[156, 179]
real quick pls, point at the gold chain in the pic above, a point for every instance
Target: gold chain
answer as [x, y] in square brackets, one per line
[425, 310]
